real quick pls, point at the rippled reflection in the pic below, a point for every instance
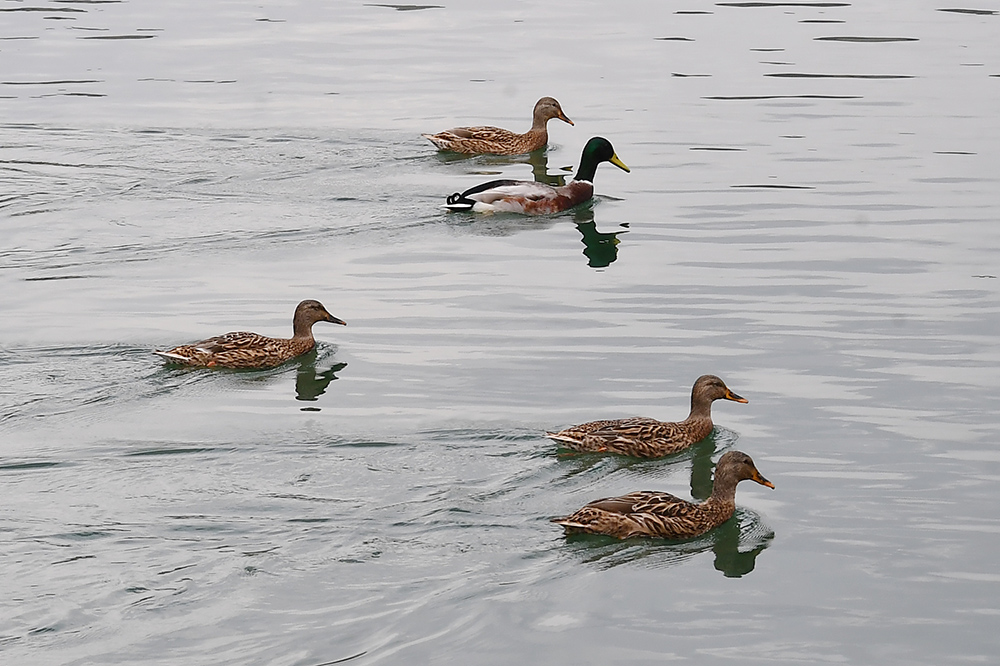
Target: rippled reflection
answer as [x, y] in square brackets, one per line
[311, 383]
[600, 248]
[539, 161]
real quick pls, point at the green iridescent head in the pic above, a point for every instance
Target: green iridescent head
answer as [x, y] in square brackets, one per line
[596, 151]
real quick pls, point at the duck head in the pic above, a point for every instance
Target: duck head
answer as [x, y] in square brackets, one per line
[308, 313]
[710, 388]
[547, 108]
[736, 466]
[596, 151]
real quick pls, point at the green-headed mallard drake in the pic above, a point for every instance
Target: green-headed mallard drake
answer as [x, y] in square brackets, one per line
[648, 438]
[498, 141]
[653, 514]
[525, 196]
[250, 350]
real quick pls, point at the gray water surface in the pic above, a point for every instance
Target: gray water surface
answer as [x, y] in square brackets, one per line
[811, 215]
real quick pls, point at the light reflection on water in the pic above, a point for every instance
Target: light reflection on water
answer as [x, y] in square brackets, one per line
[811, 215]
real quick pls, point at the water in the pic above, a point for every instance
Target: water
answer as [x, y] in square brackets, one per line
[811, 215]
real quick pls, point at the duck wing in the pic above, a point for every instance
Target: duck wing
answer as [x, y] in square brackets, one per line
[645, 501]
[233, 341]
[649, 438]
[502, 189]
[643, 513]
[486, 140]
[483, 133]
[592, 436]
[496, 190]
[237, 350]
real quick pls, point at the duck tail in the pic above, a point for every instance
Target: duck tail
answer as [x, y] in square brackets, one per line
[457, 201]
[173, 358]
[436, 140]
[571, 526]
[564, 439]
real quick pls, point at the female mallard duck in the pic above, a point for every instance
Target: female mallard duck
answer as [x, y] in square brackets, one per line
[654, 514]
[497, 141]
[250, 350]
[525, 196]
[648, 438]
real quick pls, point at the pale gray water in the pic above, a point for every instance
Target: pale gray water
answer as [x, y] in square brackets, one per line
[811, 214]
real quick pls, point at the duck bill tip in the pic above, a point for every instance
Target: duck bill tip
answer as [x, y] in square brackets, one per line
[736, 398]
[618, 163]
[567, 120]
[762, 481]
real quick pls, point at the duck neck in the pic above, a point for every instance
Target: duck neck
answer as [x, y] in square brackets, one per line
[588, 167]
[724, 487]
[539, 122]
[701, 407]
[302, 329]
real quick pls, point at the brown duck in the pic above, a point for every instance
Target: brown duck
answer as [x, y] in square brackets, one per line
[653, 514]
[498, 141]
[250, 350]
[648, 438]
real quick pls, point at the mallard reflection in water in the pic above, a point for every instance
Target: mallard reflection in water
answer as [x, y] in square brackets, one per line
[600, 248]
[309, 383]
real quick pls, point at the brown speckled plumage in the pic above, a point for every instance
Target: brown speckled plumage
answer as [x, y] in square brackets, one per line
[655, 514]
[498, 141]
[250, 350]
[648, 438]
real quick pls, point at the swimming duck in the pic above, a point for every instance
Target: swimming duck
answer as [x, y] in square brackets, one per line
[250, 350]
[525, 196]
[648, 438]
[653, 514]
[498, 141]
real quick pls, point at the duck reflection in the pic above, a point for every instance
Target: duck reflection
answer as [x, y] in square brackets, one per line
[311, 383]
[538, 160]
[600, 248]
[736, 543]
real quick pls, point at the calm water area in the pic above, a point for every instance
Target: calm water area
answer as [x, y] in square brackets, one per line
[812, 215]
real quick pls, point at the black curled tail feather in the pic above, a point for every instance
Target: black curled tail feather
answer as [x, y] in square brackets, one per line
[462, 201]
[458, 201]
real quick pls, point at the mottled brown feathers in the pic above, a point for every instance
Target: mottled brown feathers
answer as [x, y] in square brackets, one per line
[498, 141]
[658, 514]
[648, 438]
[251, 350]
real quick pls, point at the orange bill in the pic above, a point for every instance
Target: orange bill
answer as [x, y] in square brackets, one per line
[761, 480]
[736, 398]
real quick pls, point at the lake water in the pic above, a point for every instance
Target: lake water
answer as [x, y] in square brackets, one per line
[811, 215]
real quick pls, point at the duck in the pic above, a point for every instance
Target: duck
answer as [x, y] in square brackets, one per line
[486, 140]
[531, 198]
[657, 514]
[251, 350]
[643, 437]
